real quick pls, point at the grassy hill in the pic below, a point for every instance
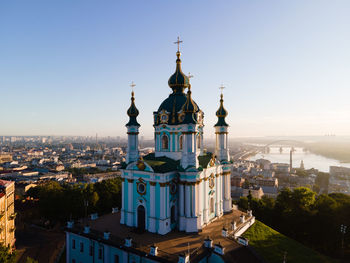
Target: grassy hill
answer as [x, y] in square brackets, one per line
[272, 245]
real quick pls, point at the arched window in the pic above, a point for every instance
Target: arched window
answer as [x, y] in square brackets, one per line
[198, 141]
[212, 208]
[181, 142]
[172, 217]
[165, 142]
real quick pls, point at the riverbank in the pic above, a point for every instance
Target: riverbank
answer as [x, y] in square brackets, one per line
[333, 150]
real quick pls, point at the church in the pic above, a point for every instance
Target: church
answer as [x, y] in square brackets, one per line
[179, 186]
[176, 202]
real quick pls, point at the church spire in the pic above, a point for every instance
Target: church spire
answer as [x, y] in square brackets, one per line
[189, 108]
[178, 81]
[132, 112]
[221, 113]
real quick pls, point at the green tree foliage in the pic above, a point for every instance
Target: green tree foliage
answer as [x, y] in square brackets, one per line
[310, 219]
[301, 173]
[63, 201]
[31, 260]
[6, 256]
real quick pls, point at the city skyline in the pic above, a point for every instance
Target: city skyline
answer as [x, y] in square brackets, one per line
[284, 65]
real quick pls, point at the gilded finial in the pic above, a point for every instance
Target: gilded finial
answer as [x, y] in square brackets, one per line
[221, 113]
[189, 84]
[132, 85]
[189, 75]
[132, 111]
[178, 44]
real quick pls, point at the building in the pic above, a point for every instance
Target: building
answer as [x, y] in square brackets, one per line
[255, 191]
[269, 186]
[264, 164]
[281, 167]
[179, 186]
[5, 158]
[175, 196]
[7, 213]
[339, 171]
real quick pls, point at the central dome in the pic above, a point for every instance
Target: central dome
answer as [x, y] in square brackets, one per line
[172, 107]
[178, 81]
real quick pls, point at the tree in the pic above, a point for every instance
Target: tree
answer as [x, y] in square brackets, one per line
[31, 260]
[6, 256]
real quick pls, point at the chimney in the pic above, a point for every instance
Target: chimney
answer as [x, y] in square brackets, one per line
[106, 235]
[224, 232]
[219, 249]
[128, 242]
[184, 258]
[86, 229]
[70, 224]
[154, 251]
[208, 243]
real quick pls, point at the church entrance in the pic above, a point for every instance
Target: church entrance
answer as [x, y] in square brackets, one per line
[141, 216]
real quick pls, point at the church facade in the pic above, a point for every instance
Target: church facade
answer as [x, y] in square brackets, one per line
[179, 186]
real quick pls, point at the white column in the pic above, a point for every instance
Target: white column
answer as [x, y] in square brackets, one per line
[181, 199]
[205, 211]
[201, 148]
[167, 197]
[162, 202]
[227, 198]
[200, 197]
[188, 200]
[152, 205]
[197, 198]
[217, 193]
[193, 188]
[130, 217]
[122, 212]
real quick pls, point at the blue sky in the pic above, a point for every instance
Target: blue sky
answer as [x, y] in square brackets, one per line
[66, 66]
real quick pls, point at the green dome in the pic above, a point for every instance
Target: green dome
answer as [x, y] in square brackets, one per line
[190, 108]
[132, 112]
[178, 81]
[173, 106]
[221, 113]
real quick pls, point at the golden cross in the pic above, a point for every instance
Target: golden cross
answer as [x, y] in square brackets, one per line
[132, 85]
[189, 75]
[178, 43]
[222, 87]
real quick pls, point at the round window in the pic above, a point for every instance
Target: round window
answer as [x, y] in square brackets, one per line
[141, 188]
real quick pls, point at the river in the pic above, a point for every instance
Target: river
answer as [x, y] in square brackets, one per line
[310, 160]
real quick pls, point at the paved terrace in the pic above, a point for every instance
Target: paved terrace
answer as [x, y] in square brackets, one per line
[171, 245]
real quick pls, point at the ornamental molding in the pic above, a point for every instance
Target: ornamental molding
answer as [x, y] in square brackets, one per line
[130, 180]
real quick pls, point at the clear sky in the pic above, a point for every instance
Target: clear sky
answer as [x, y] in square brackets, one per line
[66, 66]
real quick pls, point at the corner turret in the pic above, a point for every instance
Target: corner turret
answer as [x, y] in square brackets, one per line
[133, 130]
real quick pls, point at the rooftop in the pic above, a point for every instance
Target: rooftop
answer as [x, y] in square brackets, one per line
[161, 164]
[173, 244]
[5, 183]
